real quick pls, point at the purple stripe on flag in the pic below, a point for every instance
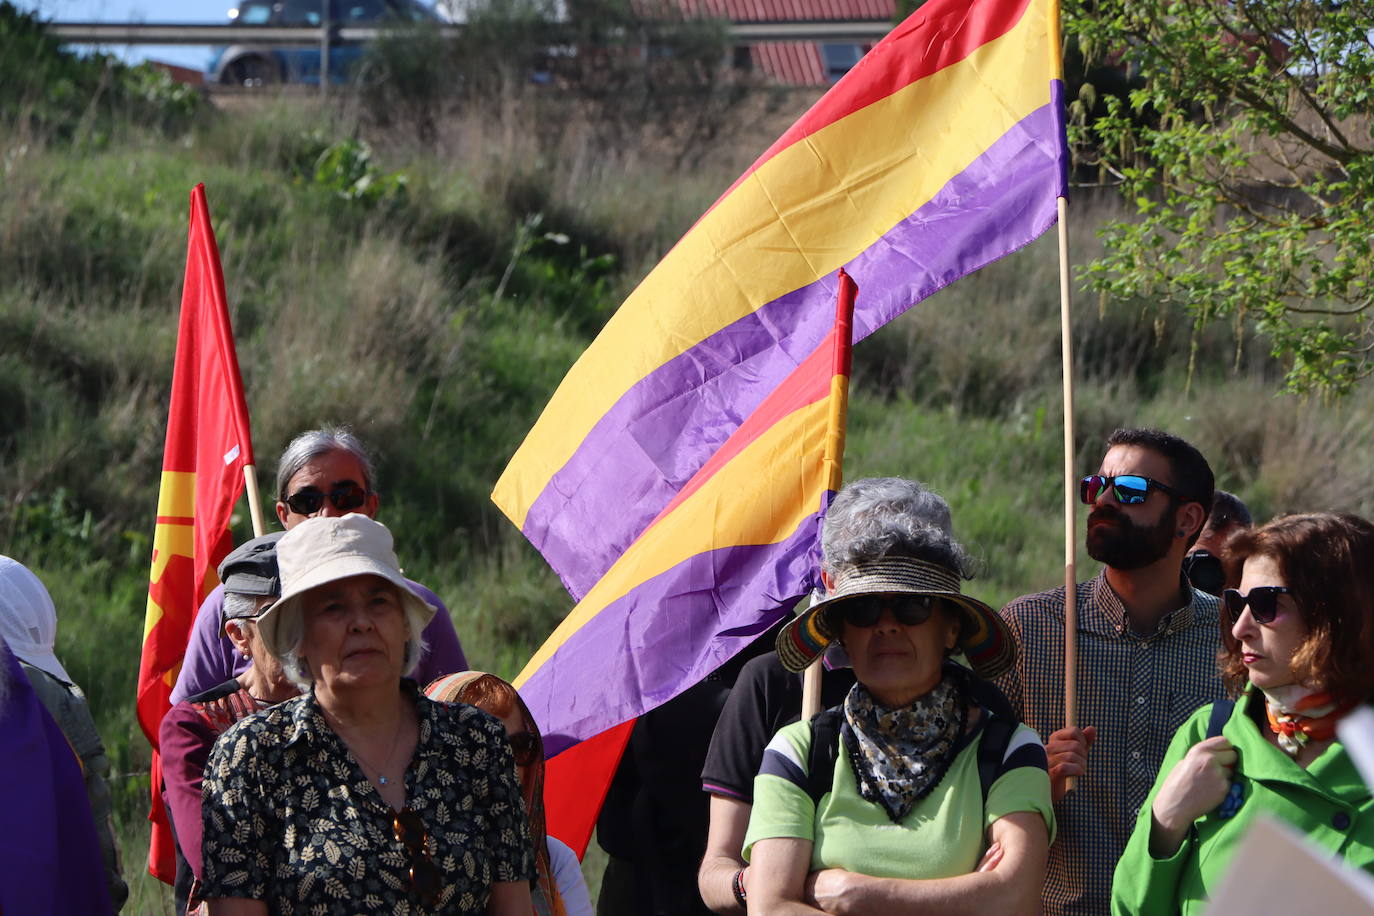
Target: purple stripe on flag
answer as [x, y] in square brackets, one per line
[667, 634]
[1060, 113]
[669, 423]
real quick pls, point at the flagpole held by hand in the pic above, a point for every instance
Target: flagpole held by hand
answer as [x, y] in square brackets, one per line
[1070, 579]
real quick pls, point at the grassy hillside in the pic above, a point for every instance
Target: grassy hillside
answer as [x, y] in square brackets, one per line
[432, 293]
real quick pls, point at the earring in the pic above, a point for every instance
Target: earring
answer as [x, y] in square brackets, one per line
[1182, 533]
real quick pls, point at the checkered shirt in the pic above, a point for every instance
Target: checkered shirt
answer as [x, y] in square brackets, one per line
[1136, 689]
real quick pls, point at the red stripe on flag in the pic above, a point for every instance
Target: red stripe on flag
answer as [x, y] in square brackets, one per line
[576, 782]
[939, 34]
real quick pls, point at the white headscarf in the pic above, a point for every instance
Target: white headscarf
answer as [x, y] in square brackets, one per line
[28, 620]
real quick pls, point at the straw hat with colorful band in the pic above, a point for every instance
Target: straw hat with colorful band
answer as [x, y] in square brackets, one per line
[984, 638]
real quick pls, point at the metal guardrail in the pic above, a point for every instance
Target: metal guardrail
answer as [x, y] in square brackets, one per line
[121, 33]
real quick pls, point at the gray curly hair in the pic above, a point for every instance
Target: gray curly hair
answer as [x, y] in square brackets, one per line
[890, 517]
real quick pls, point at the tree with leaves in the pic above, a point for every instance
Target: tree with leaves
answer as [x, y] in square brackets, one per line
[1245, 148]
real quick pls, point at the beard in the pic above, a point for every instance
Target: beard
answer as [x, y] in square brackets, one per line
[1125, 544]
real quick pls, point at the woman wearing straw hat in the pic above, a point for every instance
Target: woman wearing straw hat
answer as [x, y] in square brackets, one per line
[921, 793]
[361, 796]
[560, 889]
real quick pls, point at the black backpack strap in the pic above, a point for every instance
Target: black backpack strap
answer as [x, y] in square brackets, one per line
[998, 727]
[1221, 713]
[820, 762]
[992, 750]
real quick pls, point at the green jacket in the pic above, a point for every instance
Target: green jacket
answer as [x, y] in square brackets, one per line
[1328, 802]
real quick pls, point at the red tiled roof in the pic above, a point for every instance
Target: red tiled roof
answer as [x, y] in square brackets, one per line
[792, 63]
[792, 10]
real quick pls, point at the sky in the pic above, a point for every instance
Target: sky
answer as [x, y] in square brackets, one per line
[188, 11]
[216, 11]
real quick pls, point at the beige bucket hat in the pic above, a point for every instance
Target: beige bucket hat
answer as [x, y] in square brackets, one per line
[321, 550]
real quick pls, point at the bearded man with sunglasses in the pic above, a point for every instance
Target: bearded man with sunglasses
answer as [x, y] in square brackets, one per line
[323, 472]
[1147, 656]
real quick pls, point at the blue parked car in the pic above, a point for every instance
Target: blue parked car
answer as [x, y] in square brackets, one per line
[261, 65]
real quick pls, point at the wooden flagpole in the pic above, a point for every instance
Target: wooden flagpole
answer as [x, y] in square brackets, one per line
[250, 480]
[1070, 473]
[1070, 458]
[845, 294]
[811, 689]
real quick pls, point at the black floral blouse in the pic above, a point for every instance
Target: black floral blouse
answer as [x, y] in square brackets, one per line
[291, 820]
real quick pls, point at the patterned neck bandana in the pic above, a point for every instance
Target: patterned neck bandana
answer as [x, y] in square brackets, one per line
[900, 755]
[1298, 714]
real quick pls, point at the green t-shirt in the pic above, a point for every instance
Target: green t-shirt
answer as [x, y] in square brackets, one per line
[942, 836]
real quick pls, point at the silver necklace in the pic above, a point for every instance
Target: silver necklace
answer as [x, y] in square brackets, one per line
[395, 739]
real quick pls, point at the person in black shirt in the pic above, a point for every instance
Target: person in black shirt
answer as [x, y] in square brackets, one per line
[766, 697]
[653, 823]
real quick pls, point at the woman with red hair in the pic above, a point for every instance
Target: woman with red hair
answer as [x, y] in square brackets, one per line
[559, 888]
[1297, 640]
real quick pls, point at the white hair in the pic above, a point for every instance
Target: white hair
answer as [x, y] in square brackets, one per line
[296, 666]
[890, 516]
[237, 605]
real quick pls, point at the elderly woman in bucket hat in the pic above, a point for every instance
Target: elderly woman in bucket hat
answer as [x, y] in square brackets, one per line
[920, 792]
[360, 796]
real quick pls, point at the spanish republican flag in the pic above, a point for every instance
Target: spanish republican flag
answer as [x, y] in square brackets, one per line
[208, 445]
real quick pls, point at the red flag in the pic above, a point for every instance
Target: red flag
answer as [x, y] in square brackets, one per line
[208, 444]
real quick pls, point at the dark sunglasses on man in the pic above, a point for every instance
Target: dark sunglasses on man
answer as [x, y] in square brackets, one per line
[1129, 489]
[1262, 599]
[1203, 569]
[867, 610]
[345, 498]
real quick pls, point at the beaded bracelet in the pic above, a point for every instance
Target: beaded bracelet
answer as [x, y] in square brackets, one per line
[737, 885]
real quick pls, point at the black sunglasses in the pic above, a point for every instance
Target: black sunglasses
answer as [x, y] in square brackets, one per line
[525, 747]
[1204, 570]
[410, 832]
[865, 611]
[1263, 601]
[1130, 489]
[345, 497]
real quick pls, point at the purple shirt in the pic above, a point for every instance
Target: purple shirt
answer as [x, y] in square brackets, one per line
[211, 658]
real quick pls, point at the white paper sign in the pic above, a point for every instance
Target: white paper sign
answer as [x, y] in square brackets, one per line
[1276, 870]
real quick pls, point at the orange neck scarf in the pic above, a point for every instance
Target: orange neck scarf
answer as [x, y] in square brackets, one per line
[1298, 716]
